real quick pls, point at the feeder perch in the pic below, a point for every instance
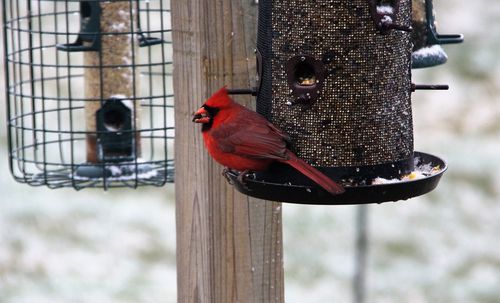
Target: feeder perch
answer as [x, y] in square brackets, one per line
[339, 83]
[427, 50]
[89, 93]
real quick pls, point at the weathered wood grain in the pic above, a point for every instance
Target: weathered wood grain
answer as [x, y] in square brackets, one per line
[229, 246]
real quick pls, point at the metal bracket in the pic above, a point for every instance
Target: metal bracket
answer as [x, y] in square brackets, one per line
[144, 40]
[432, 36]
[89, 38]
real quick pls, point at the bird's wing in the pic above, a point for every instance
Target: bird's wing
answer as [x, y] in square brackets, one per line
[252, 137]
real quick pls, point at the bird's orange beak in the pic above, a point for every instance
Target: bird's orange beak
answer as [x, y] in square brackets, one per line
[201, 116]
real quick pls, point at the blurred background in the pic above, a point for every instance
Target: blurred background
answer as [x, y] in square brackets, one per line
[119, 246]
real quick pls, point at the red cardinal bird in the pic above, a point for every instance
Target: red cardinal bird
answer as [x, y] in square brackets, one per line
[243, 140]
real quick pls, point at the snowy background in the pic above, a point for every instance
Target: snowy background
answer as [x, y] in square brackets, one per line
[63, 246]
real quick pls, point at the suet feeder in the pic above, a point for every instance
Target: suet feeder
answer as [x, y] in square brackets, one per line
[89, 93]
[335, 75]
[427, 50]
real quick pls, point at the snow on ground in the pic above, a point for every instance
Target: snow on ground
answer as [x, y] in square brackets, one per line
[86, 246]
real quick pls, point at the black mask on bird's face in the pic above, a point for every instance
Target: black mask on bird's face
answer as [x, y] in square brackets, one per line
[205, 115]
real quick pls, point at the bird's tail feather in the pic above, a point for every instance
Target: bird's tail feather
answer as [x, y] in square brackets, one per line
[314, 174]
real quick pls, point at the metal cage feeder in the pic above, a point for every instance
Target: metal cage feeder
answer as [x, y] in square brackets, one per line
[336, 76]
[427, 50]
[89, 92]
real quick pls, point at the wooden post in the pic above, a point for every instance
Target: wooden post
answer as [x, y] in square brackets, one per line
[361, 254]
[229, 246]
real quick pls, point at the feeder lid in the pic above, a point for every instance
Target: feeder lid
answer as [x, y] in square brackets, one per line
[360, 194]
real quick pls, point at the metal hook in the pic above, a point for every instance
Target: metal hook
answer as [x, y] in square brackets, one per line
[143, 39]
[89, 38]
[432, 36]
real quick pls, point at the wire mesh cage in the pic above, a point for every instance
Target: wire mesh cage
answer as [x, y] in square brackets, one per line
[89, 92]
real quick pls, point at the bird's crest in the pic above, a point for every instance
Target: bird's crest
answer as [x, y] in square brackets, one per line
[219, 99]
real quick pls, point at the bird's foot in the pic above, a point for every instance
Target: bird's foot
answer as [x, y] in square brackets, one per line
[225, 172]
[242, 176]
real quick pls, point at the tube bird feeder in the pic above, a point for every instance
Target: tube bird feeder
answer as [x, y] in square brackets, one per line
[89, 93]
[335, 75]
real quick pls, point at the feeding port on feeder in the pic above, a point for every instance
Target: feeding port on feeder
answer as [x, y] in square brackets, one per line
[336, 76]
[89, 92]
